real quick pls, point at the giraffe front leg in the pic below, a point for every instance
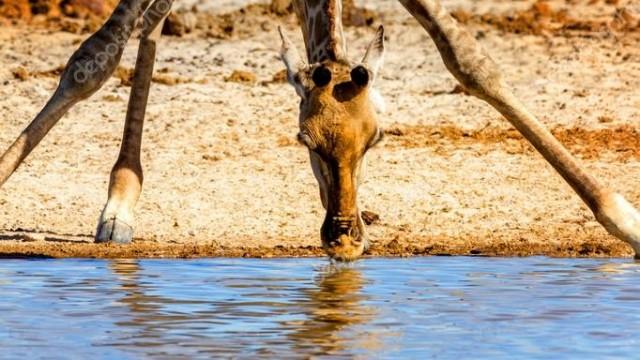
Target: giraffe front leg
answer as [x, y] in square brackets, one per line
[479, 74]
[117, 218]
[86, 71]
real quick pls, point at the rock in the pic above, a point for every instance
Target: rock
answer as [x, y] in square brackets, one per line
[369, 217]
[125, 75]
[179, 24]
[20, 73]
[280, 77]
[15, 9]
[241, 76]
[281, 7]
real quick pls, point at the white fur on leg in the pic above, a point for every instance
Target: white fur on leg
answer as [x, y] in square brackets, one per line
[116, 208]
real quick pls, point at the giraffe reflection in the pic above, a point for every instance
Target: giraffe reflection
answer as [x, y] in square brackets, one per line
[154, 323]
[145, 310]
[229, 314]
[333, 308]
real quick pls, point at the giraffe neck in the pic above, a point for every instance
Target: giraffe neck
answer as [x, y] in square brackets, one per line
[321, 22]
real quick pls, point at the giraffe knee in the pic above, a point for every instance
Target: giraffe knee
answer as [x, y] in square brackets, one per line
[83, 77]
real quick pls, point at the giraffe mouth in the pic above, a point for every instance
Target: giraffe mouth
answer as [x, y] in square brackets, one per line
[343, 238]
[344, 248]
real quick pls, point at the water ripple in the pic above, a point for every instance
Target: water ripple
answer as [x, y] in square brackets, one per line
[300, 308]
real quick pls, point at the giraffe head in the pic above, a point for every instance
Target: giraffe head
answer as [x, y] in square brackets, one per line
[338, 125]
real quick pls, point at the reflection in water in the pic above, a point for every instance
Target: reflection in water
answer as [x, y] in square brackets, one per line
[620, 268]
[302, 308]
[159, 323]
[127, 272]
[333, 306]
[145, 310]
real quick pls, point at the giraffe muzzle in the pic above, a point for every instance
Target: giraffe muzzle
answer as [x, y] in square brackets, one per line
[342, 238]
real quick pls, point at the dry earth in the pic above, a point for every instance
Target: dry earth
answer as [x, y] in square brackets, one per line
[225, 177]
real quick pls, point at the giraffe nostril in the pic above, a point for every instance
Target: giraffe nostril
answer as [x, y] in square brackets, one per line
[344, 222]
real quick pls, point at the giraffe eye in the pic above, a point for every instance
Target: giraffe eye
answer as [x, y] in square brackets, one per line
[321, 76]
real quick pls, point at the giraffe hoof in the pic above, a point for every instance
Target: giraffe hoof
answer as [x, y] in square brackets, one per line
[114, 231]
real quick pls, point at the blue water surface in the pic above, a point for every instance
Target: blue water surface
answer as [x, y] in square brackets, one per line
[434, 307]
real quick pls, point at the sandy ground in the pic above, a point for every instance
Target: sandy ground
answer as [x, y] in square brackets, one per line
[225, 177]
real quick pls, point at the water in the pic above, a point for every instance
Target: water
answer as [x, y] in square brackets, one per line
[436, 307]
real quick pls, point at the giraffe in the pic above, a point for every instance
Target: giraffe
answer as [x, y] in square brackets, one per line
[338, 121]
[337, 114]
[328, 130]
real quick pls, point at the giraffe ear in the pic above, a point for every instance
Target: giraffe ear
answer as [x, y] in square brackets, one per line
[293, 62]
[374, 57]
